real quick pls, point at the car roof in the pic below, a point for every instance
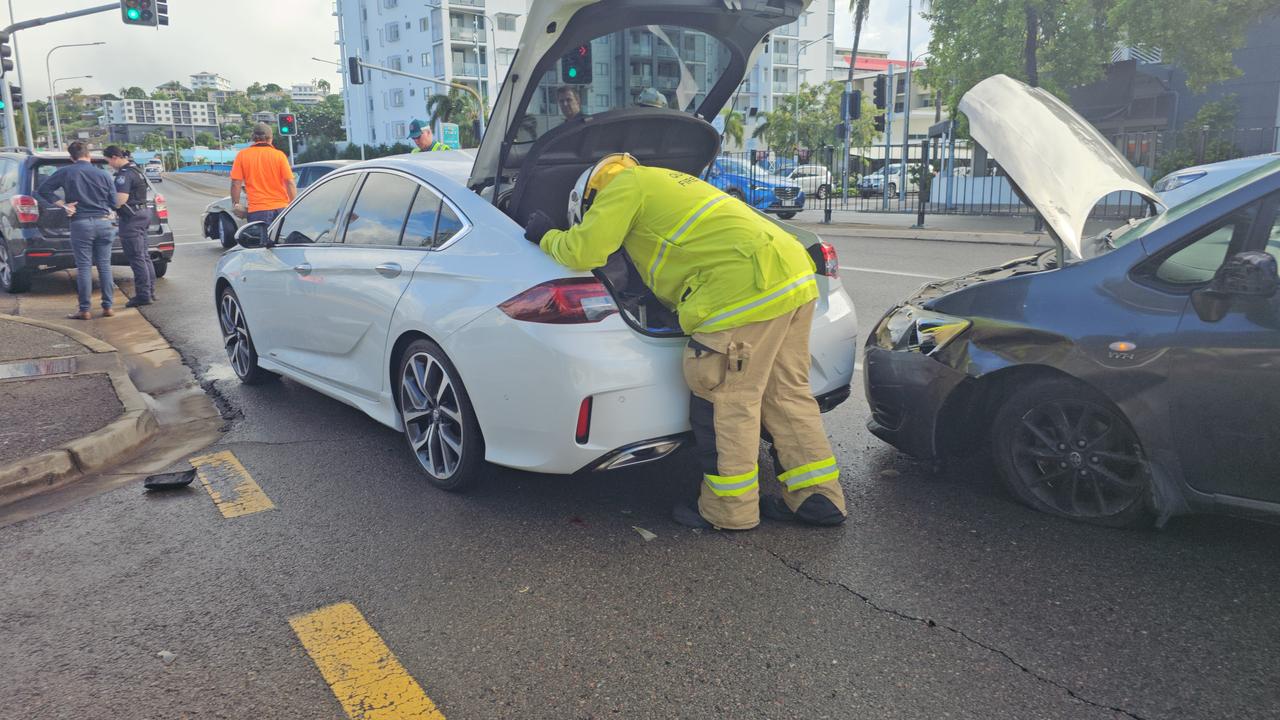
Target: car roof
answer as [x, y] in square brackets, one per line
[326, 163]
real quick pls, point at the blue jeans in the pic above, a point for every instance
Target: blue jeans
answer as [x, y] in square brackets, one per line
[265, 216]
[91, 240]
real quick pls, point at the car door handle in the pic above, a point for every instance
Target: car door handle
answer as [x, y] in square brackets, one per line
[304, 269]
[388, 270]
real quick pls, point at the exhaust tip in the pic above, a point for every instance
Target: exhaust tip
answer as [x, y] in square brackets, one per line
[639, 453]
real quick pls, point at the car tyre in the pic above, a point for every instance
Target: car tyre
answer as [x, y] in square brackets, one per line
[440, 424]
[823, 191]
[1062, 448]
[11, 280]
[161, 266]
[786, 215]
[236, 340]
[736, 194]
[226, 231]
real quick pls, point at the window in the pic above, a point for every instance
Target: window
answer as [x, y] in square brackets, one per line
[399, 130]
[1198, 261]
[424, 24]
[506, 22]
[426, 60]
[420, 231]
[9, 180]
[311, 220]
[379, 213]
[390, 3]
[448, 226]
[392, 32]
[397, 98]
[393, 62]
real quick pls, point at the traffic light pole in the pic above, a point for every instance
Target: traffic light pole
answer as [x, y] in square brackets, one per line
[11, 130]
[287, 110]
[391, 71]
[22, 83]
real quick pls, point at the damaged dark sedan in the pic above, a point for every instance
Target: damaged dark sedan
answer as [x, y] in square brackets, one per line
[1119, 379]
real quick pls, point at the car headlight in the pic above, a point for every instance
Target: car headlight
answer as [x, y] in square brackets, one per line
[915, 330]
[1177, 180]
[754, 186]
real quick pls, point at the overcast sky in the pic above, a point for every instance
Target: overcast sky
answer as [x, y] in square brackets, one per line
[264, 41]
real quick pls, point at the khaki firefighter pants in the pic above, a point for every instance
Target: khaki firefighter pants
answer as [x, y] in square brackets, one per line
[744, 377]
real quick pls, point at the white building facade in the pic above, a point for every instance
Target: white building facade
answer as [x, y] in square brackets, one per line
[305, 94]
[210, 81]
[131, 120]
[474, 41]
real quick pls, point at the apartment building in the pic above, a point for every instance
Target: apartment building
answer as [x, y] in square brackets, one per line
[210, 81]
[474, 42]
[305, 94]
[132, 120]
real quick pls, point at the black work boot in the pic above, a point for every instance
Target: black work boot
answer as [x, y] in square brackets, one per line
[815, 510]
[687, 515]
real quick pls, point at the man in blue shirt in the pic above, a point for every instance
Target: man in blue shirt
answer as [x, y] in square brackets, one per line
[88, 199]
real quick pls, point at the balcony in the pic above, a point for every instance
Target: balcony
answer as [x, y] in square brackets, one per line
[469, 70]
[783, 88]
[467, 35]
[336, 9]
[468, 3]
[641, 81]
[668, 83]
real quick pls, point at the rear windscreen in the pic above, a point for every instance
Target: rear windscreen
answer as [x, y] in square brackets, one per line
[45, 169]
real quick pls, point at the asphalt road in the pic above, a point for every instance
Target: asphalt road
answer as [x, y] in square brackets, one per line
[534, 597]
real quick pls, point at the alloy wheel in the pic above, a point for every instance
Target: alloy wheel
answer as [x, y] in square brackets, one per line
[1079, 458]
[6, 272]
[432, 415]
[235, 336]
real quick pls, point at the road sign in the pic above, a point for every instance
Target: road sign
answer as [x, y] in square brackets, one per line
[449, 135]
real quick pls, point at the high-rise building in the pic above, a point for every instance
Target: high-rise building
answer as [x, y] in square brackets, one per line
[474, 41]
[210, 81]
[132, 120]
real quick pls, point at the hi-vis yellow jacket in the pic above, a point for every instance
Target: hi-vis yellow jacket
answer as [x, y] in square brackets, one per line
[709, 256]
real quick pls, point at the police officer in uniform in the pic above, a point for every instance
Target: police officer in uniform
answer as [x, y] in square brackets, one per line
[134, 220]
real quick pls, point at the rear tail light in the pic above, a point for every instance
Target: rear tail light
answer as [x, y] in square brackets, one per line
[39, 253]
[164, 246]
[27, 208]
[566, 301]
[825, 258]
[584, 422]
[162, 210]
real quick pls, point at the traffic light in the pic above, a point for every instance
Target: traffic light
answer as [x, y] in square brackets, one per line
[288, 124]
[138, 12]
[5, 53]
[162, 12]
[880, 101]
[355, 73]
[853, 108]
[15, 96]
[575, 67]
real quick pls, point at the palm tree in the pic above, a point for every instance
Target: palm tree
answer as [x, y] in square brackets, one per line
[733, 126]
[455, 107]
[860, 9]
[324, 86]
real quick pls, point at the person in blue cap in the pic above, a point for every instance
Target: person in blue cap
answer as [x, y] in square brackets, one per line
[422, 136]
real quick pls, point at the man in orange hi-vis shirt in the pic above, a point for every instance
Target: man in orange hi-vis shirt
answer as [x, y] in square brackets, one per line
[264, 174]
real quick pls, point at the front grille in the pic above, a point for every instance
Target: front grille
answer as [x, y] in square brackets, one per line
[786, 193]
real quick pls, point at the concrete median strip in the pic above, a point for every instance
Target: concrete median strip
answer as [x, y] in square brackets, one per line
[109, 444]
[361, 670]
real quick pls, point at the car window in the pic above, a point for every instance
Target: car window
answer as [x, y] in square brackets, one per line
[9, 180]
[420, 230]
[450, 225]
[44, 170]
[380, 210]
[1197, 262]
[311, 219]
[303, 177]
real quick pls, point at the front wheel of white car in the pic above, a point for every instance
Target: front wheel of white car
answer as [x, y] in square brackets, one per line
[439, 423]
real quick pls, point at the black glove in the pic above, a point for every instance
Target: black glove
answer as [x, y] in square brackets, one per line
[538, 225]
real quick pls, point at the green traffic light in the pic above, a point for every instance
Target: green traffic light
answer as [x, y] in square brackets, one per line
[134, 13]
[573, 72]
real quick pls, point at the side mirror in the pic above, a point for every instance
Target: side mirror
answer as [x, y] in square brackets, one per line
[1249, 274]
[252, 235]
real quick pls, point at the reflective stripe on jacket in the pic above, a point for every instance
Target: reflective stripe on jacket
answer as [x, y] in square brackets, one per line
[437, 145]
[712, 258]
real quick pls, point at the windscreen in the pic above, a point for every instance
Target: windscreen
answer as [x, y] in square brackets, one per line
[645, 66]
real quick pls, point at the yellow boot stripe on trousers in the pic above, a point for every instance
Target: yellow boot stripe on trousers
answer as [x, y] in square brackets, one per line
[731, 485]
[812, 474]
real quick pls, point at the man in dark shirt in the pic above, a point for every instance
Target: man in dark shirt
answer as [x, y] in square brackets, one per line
[135, 220]
[88, 199]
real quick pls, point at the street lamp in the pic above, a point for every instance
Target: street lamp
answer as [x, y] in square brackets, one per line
[797, 95]
[53, 102]
[49, 76]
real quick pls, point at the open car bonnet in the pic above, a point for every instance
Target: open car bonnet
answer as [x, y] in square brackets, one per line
[1060, 162]
[555, 27]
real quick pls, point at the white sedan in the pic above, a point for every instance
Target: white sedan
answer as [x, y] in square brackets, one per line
[393, 287]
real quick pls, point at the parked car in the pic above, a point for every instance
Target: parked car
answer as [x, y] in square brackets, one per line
[1178, 187]
[813, 180]
[404, 286]
[875, 183]
[154, 172]
[220, 222]
[1124, 376]
[34, 236]
[757, 187]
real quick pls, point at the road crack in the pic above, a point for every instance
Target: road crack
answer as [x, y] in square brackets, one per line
[866, 600]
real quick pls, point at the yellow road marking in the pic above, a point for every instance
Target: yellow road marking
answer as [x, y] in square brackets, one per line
[231, 486]
[361, 670]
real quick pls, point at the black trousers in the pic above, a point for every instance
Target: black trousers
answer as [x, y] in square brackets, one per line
[133, 240]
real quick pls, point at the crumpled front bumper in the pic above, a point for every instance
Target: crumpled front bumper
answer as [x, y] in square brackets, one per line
[907, 392]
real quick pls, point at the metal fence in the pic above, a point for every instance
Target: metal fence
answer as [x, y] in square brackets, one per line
[962, 179]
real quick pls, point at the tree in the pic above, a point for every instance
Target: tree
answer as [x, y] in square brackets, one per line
[324, 86]
[323, 121]
[272, 88]
[860, 9]
[206, 139]
[155, 141]
[133, 92]
[1061, 44]
[733, 126]
[1203, 140]
[254, 89]
[808, 120]
[456, 107]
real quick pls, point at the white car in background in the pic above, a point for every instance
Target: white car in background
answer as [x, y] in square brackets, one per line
[152, 171]
[1179, 187]
[814, 180]
[404, 286]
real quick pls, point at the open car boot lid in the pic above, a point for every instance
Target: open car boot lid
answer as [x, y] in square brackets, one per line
[554, 27]
[1059, 161]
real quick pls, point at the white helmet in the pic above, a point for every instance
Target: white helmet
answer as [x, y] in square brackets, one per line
[593, 180]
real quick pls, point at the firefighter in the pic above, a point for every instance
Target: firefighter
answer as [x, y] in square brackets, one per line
[745, 292]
